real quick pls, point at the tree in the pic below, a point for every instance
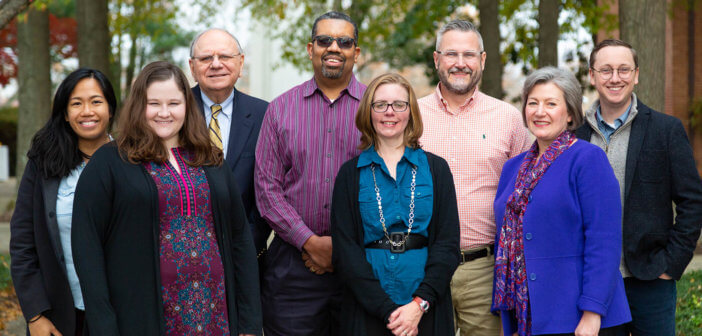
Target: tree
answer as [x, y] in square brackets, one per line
[642, 24]
[548, 32]
[34, 79]
[490, 30]
[93, 35]
[10, 8]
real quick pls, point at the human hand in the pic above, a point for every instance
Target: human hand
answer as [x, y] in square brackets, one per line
[311, 265]
[589, 324]
[42, 327]
[404, 320]
[319, 250]
[665, 276]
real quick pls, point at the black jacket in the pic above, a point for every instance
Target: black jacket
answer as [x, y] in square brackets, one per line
[363, 296]
[115, 247]
[38, 268]
[247, 116]
[660, 170]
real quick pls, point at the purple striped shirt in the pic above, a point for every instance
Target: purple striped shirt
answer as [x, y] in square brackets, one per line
[304, 140]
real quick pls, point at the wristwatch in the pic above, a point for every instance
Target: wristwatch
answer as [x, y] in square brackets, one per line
[423, 304]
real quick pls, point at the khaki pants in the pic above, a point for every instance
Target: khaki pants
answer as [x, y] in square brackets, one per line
[471, 290]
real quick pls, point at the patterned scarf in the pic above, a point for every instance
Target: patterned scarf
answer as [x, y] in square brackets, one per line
[511, 291]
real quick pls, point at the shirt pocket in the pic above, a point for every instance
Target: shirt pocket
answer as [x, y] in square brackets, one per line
[423, 202]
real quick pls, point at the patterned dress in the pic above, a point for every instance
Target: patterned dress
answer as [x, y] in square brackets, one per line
[192, 274]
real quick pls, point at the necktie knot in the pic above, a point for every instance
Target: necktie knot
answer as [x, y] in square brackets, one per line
[216, 108]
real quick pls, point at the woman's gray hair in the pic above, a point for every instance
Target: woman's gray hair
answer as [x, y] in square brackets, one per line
[564, 80]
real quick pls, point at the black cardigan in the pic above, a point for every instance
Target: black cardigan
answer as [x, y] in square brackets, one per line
[363, 296]
[38, 269]
[116, 252]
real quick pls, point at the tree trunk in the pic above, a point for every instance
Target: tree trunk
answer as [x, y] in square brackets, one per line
[642, 24]
[34, 80]
[93, 36]
[9, 9]
[548, 32]
[490, 30]
[131, 67]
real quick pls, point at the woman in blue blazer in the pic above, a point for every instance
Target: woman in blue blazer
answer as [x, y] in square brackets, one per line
[558, 218]
[40, 245]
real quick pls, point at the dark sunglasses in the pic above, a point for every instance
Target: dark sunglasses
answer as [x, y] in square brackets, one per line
[326, 41]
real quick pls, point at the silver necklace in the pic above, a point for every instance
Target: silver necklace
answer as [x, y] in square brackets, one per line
[410, 219]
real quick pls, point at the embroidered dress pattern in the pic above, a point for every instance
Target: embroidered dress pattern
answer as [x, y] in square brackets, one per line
[511, 290]
[192, 274]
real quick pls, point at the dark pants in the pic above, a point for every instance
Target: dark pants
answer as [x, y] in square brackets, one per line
[652, 305]
[295, 300]
[377, 327]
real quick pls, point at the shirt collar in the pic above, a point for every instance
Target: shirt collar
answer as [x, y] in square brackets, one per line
[225, 104]
[354, 88]
[469, 102]
[370, 155]
[617, 122]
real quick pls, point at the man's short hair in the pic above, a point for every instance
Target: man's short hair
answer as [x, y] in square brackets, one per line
[569, 86]
[612, 43]
[460, 25]
[334, 15]
[192, 44]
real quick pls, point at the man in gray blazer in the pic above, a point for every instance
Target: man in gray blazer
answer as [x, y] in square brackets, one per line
[653, 161]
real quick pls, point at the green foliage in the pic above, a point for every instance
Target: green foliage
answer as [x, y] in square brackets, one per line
[688, 317]
[696, 114]
[5, 279]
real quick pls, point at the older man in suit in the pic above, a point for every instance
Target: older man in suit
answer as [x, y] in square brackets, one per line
[653, 161]
[234, 118]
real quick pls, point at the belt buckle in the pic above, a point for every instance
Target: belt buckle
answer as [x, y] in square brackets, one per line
[397, 237]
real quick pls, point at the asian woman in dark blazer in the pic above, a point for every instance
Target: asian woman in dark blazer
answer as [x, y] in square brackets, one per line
[40, 245]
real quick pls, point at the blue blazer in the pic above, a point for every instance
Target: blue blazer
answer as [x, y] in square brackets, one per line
[572, 235]
[247, 116]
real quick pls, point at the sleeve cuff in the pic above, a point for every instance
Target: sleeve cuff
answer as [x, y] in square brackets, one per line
[588, 304]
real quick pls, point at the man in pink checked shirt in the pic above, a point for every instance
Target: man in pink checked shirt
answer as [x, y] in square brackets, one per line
[476, 134]
[307, 134]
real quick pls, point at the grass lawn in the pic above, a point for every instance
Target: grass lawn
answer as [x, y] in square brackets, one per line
[688, 317]
[9, 307]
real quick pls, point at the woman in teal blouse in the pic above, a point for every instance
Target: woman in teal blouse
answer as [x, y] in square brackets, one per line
[394, 222]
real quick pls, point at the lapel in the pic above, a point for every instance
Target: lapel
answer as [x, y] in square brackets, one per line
[240, 129]
[198, 98]
[639, 127]
[50, 193]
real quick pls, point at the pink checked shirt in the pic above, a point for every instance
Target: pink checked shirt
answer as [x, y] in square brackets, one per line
[475, 140]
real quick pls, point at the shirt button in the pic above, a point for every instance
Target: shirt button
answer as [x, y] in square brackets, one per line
[528, 236]
[326, 180]
[328, 155]
[392, 257]
[397, 217]
[329, 130]
[51, 214]
[532, 276]
[326, 206]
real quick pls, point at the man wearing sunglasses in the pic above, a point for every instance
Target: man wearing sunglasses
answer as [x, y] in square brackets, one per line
[660, 187]
[234, 118]
[307, 134]
[476, 134]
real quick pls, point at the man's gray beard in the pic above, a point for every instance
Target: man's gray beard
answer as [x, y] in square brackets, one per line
[462, 88]
[333, 74]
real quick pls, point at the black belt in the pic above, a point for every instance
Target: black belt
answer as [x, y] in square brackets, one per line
[414, 241]
[477, 254]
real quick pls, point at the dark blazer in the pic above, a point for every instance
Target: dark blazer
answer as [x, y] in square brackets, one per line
[38, 269]
[363, 297]
[247, 116]
[115, 248]
[660, 170]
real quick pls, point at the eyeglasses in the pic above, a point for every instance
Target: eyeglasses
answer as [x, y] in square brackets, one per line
[382, 106]
[453, 56]
[624, 72]
[325, 41]
[222, 58]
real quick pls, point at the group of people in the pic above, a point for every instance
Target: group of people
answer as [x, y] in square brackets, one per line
[392, 215]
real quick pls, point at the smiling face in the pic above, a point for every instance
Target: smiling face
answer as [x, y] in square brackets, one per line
[216, 77]
[546, 113]
[614, 92]
[333, 62]
[459, 76]
[88, 112]
[165, 111]
[390, 125]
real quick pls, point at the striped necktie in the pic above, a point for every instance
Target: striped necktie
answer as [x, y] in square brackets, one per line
[215, 132]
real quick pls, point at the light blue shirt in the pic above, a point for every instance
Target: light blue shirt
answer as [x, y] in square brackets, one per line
[608, 129]
[224, 118]
[64, 214]
[399, 273]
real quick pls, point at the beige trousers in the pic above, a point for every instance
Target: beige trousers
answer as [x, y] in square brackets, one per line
[471, 291]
